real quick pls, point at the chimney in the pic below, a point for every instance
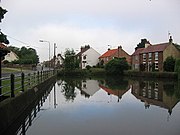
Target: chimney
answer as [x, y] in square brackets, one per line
[170, 40]
[147, 44]
[84, 48]
[119, 47]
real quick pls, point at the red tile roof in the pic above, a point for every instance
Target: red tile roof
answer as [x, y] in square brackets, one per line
[138, 51]
[113, 92]
[2, 46]
[155, 48]
[109, 53]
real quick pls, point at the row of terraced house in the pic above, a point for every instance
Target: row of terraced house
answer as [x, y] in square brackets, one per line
[149, 58]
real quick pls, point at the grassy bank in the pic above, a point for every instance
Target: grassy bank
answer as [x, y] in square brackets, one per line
[83, 72]
[130, 73]
[172, 75]
[12, 70]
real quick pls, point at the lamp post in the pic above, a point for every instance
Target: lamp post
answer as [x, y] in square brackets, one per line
[49, 49]
[55, 54]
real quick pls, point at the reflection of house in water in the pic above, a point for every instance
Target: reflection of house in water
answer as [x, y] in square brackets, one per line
[119, 93]
[89, 87]
[155, 93]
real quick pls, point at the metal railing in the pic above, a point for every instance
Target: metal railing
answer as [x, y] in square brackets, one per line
[17, 83]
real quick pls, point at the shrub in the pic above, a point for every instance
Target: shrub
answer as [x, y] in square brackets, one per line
[177, 65]
[88, 67]
[169, 64]
[117, 66]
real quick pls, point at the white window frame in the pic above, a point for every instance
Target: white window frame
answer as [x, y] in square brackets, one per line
[156, 65]
[150, 56]
[144, 56]
[156, 55]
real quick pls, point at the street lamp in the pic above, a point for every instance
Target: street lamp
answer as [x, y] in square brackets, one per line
[49, 49]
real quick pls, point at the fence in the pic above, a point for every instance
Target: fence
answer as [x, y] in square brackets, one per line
[15, 84]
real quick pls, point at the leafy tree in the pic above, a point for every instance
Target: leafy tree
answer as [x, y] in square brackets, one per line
[26, 55]
[116, 66]
[177, 65]
[142, 44]
[3, 38]
[169, 64]
[2, 13]
[70, 60]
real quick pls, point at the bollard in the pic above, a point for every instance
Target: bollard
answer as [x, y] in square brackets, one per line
[41, 76]
[22, 81]
[29, 80]
[179, 73]
[34, 78]
[38, 77]
[12, 85]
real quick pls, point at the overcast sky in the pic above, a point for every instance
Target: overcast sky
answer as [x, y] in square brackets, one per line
[99, 23]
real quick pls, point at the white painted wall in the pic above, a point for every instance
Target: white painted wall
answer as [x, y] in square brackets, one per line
[11, 57]
[90, 87]
[91, 58]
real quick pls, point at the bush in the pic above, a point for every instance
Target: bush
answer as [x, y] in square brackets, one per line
[177, 65]
[5, 62]
[88, 67]
[169, 64]
[117, 66]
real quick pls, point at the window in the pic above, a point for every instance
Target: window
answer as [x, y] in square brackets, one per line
[107, 58]
[144, 57]
[150, 56]
[156, 55]
[136, 66]
[84, 63]
[84, 57]
[156, 65]
[136, 57]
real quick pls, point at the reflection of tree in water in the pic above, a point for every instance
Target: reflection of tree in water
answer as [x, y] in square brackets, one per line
[172, 89]
[169, 89]
[68, 89]
[116, 83]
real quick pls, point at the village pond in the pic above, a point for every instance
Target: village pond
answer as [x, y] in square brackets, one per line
[106, 106]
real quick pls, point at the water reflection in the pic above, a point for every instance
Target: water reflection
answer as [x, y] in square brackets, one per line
[114, 86]
[68, 89]
[21, 125]
[75, 104]
[160, 93]
[88, 87]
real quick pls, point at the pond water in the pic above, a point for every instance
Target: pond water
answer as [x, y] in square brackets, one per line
[107, 107]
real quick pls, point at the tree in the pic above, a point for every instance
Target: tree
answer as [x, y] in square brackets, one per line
[2, 13]
[116, 66]
[3, 38]
[142, 44]
[70, 60]
[26, 55]
[169, 64]
[177, 65]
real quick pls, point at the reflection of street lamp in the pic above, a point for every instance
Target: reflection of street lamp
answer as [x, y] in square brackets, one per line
[49, 49]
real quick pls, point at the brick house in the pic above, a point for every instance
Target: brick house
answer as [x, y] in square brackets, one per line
[152, 57]
[135, 59]
[114, 53]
